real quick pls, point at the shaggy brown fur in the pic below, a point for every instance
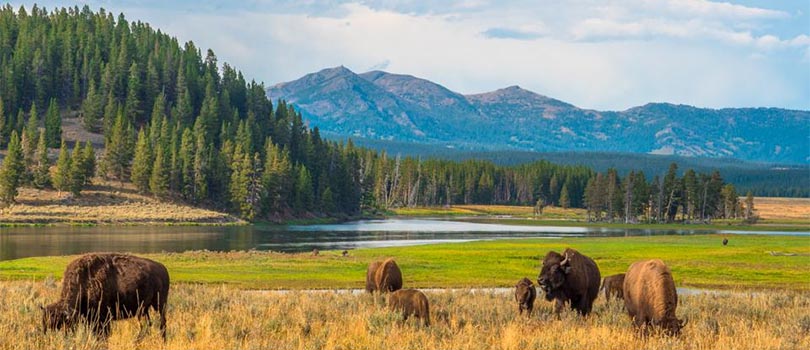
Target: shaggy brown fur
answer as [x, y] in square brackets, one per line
[100, 288]
[570, 278]
[614, 285]
[371, 274]
[650, 296]
[525, 295]
[387, 276]
[410, 302]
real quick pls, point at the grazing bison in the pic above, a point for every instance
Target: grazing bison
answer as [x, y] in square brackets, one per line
[525, 295]
[410, 302]
[383, 276]
[570, 277]
[614, 285]
[650, 296]
[725, 241]
[100, 288]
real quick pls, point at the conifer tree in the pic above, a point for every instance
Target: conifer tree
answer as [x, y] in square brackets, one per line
[565, 201]
[159, 181]
[88, 162]
[42, 165]
[11, 170]
[53, 125]
[76, 173]
[5, 124]
[61, 176]
[118, 150]
[92, 109]
[133, 107]
[142, 163]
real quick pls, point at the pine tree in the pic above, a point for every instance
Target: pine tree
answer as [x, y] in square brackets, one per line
[88, 162]
[42, 165]
[11, 170]
[159, 181]
[53, 125]
[133, 107]
[118, 150]
[750, 216]
[5, 124]
[303, 190]
[142, 163]
[61, 176]
[92, 109]
[76, 173]
[565, 201]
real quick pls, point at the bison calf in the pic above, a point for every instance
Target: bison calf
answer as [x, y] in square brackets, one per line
[650, 296]
[525, 295]
[410, 302]
[100, 288]
[383, 276]
[613, 286]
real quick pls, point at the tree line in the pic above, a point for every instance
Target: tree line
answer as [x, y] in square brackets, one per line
[181, 127]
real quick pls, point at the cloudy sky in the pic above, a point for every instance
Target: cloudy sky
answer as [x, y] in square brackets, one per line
[599, 54]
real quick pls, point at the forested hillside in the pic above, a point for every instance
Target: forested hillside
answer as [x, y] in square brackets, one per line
[183, 127]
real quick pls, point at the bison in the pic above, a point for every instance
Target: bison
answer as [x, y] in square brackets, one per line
[383, 276]
[650, 296]
[100, 288]
[613, 285]
[525, 295]
[410, 302]
[570, 277]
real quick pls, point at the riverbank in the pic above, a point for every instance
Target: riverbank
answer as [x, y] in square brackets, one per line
[105, 203]
[221, 317]
[776, 214]
[697, 261]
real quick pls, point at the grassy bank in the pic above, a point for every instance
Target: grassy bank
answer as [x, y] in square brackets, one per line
[105, 203]
[220, 317]
[700, 261]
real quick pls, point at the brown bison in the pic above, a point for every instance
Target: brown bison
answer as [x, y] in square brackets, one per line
[525, 295]
[614, 285]
[410, 302]
[571, 277]
[650, 296]
[383, 276]
[100, 288]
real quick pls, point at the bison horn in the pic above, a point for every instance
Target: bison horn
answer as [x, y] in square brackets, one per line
[565, 261]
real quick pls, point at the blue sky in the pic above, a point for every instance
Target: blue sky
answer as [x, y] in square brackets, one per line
[598, 54]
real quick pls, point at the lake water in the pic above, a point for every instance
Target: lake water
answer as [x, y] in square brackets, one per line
[46, 241]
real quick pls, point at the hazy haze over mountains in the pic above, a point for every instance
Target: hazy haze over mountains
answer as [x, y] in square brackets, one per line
[385, 106]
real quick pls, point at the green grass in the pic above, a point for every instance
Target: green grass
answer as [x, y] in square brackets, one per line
[696, 261]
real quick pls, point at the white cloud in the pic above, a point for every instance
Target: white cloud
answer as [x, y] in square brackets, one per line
[593, 53]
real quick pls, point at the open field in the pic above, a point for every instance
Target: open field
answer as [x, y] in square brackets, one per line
[698, 261]
[219, 317]
[774, 209]
[788, 214]
[103, 203]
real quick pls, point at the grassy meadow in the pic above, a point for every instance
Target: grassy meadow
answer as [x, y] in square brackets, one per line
[221, 317]
[700, 261]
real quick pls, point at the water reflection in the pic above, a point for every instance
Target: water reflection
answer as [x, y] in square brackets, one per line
[45, 241]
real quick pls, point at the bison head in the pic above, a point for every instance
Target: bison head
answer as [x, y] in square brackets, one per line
[523, 293]
[54, 316]
[673, 326]
[553, 273]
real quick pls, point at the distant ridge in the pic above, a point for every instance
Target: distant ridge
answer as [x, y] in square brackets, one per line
[383, 106]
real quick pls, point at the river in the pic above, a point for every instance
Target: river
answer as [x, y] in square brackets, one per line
[20, 242]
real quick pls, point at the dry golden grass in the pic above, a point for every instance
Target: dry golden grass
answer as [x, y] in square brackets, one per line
[777, 208]
[218, 317]
[103, 203]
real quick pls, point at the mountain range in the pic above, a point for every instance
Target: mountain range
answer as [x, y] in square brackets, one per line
[383, 106]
